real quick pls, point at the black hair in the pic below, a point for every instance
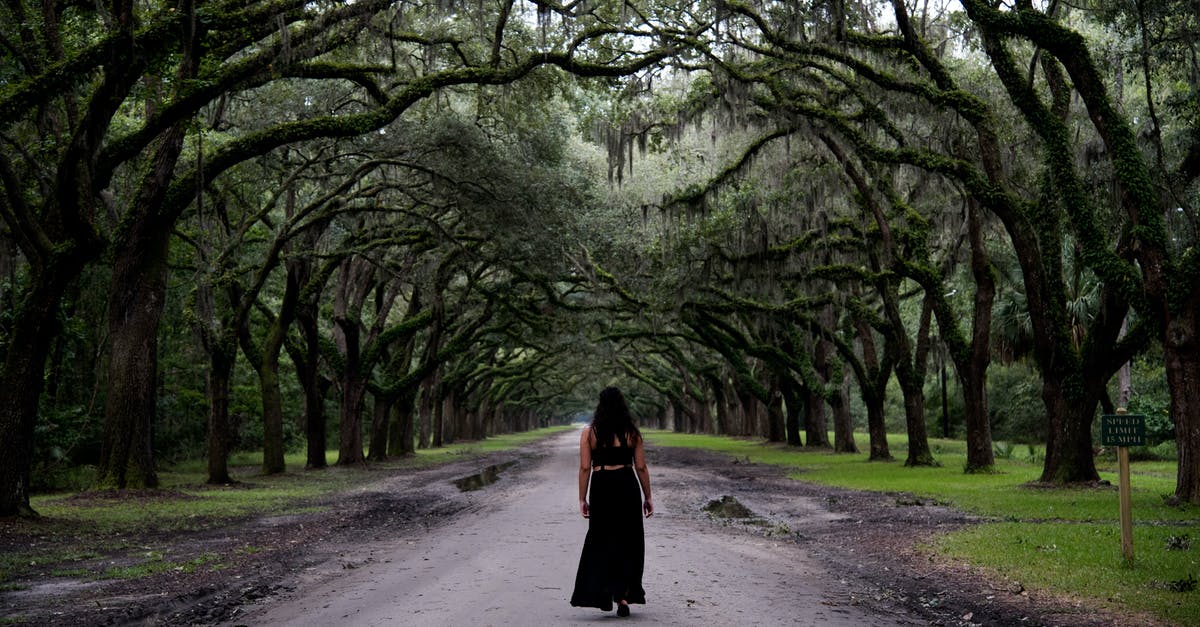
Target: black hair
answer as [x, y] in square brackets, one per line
[612, 418]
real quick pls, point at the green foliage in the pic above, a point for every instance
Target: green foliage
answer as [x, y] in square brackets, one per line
[1015, 451]
[1017, 415]
[182, 425]
[1151, 398]
[1164, 451]
[893, 407]
[738, 204]
[67, 440]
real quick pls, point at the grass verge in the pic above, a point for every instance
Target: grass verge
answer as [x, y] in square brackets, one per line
[1066, 541]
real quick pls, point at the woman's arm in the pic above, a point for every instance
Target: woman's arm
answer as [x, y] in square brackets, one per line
[585, 469]
[643, 474]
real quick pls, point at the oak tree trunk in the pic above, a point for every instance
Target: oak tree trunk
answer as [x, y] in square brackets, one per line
[438, 407]
[309, 375]
[137, 299]
[268, 377]
[918, 437]
[378, 443]
[1182, 357]
[491, 425]
[910, 373]
[481, 423]
[67, 243]
[843, 420]
[1069, 457]
[816, 431]
[453, 418]
[682, 424]
[972, 364]
[354, 387]
[34, 326]
[876, 428]
[670, 416]
[980, 454]
[220, 436]
[401, 432]
[792, 404]
[350, 444]
[871, 386]
[721, 424]
[425, 413]
[775, 417]
[749, 412]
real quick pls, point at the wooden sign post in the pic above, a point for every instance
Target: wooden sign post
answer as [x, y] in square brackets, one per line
[1123, 430]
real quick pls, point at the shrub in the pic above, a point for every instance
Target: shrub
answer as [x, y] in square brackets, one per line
[1017, 414]
[1162, 452]
[66, 438]
[1151, 398]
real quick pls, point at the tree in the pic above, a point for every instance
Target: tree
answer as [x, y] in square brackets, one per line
[1140, 264]
[1034, 226]
[228, 48]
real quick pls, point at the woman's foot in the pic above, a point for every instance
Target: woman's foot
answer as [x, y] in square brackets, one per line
[623, 609]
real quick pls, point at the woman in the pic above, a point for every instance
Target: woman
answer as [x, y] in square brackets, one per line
[612, 462]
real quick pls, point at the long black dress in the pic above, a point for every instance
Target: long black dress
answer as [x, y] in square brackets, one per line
[610, 568]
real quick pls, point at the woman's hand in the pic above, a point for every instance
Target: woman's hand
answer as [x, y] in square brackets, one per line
[648, 507]
[584, 509]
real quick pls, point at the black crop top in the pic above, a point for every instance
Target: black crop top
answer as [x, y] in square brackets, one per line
[612, 456]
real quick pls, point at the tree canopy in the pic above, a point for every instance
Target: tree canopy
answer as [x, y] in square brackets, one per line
[273, 225]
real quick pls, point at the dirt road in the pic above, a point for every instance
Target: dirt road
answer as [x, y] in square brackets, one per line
[510, 559]
[410, 548]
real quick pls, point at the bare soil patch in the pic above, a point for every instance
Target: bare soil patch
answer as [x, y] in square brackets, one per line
[131, 497]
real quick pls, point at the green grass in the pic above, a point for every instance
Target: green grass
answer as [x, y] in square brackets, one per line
[193, 506]
[246, 463]
[155, 564]
[1063, 540]
[509, 441]
[1085, 560]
